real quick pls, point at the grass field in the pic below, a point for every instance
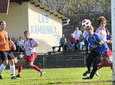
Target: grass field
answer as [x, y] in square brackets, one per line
[58, 76]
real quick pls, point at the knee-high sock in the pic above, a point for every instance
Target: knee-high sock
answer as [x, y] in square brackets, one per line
[2, 67]
[93, 72]
[37, 68]
[111, 65]
[12, 68]
[20, 69]
[103, 63]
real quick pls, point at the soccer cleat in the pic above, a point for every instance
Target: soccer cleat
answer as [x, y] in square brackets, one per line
[1, 77]
[42, 73]
[97, 74]
[18, 75]
[87, 72]
[13, 77]
[87, 78]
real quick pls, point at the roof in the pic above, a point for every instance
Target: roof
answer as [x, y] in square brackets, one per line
[4, 5]
[37, 4]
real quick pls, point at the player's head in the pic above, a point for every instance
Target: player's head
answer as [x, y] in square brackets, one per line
[63, 35]
[102, 21]
[90, 30]
[72, 35]
[27, 34]
[2, 25]
[20, 38]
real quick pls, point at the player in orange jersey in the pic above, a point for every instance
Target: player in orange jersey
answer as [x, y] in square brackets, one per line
[5, 53]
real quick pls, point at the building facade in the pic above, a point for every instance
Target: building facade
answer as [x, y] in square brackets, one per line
[44, 24]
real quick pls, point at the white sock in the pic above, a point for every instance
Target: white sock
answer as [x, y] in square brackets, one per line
[12, 68]
[2, 67]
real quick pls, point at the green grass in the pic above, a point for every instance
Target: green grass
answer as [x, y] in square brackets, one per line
[58, 76]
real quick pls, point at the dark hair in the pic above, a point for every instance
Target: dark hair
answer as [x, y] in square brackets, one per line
[101, 19]
[2, 22]
[26, 32]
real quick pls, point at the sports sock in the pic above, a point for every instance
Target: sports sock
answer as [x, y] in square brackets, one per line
[103, 63]
[37, 68]
[12, 68]
[111, 66]
[2, 67]
[20, 69]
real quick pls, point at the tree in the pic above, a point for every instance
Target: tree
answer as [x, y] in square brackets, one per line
[105, 6]
[69, 7]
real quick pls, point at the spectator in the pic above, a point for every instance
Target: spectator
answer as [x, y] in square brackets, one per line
[63, 43]
[109, 37]
[81, 42]
[14, 41]
[77, 34]
[85, 32]
[72, 42]
[20, 44]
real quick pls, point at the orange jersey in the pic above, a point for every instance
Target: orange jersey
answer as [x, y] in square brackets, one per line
[4, 39]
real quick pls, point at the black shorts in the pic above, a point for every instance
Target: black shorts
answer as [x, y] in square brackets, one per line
[6, 55]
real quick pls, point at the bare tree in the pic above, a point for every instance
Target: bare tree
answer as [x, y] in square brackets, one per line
[105, 6]
[70, 7]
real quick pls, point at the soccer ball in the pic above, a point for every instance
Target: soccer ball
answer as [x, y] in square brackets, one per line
[86, 23]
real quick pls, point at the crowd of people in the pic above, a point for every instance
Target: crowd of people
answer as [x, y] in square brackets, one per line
[75, 43]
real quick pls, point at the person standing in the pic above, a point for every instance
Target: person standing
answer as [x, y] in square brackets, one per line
[77, 34]
[6, 55]
[29, 48]
[20, 44]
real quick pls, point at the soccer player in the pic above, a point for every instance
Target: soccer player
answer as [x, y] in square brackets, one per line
[99, 48]
[29, 47]
[103, 32]
[12, 59]
[5, 53]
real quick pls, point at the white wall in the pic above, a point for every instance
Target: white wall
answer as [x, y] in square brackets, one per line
[44, 27]
[17, 19]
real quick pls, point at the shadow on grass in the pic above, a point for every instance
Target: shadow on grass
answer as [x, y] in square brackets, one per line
[55, 83]
[82, 83]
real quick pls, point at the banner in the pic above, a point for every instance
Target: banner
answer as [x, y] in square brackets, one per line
[4, 6]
